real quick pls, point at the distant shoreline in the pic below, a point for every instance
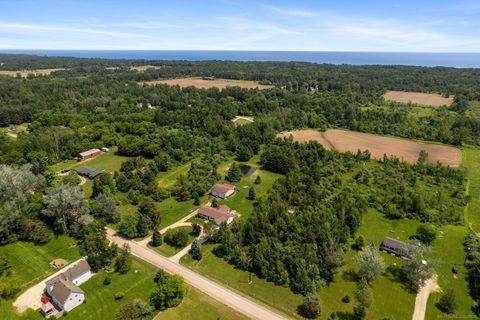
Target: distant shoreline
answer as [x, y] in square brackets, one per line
[425, 59]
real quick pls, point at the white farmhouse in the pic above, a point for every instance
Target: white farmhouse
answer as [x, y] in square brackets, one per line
[64, 288]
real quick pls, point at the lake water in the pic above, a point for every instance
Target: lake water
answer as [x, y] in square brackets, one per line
[459, 60]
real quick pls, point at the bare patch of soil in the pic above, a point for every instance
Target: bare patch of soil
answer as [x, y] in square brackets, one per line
[427, 99]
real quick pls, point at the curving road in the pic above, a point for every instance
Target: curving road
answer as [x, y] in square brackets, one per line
[218, 292]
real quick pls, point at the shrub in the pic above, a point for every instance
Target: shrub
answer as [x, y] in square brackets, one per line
[310, 308]
[447, 302]
[426, 233]
[119, 295]
[346, 299]
[176, 237]
[107, 280]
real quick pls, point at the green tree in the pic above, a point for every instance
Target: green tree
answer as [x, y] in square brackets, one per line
[243, 153]
[149, 210]
[105, 208]
[103, 184]
[123, 262]
[234, 174]
[71, 178]
[96, 247]
[310, 308]
[176, 237]
[168, 293]
[157, 239]
[363, 296]
[358, 243]
[196, 198]
[196, 250]
[252, 194]
[370, 262]
[136, 309]
[426, 233]
[258, 180]
[128, 225]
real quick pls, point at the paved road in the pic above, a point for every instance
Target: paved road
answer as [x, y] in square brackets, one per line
[213, 289]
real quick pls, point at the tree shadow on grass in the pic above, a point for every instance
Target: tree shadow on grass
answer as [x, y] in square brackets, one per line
[344, 315]
[350, 275]
[395, 274]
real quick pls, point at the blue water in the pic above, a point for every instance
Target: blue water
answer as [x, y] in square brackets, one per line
[459, 60]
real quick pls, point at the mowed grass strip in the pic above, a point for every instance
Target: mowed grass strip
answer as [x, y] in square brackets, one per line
[199, 306]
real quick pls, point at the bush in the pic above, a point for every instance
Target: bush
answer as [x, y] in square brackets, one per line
[119, 295]
[426, 233]
[196, 229]
[447, 302]
[346, 299]
[358, 243]
[107, 280]
[168, 294]
[310, 308]
[157, 239]
[176, 237]
[134, 310]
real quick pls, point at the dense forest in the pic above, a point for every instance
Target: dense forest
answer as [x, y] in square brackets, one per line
[298, 233]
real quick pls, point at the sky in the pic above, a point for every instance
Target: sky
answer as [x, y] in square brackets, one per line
[301, 25]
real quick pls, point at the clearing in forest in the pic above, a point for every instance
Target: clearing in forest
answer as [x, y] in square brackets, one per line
[207, 84]
[144, 68]
[426, 99]
[25, 73]
[240, 120]
[404, 149]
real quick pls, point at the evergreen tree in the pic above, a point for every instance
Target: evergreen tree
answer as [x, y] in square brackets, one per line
[214, 203]
[447, 302]
[258, 180]
[234, 174]
[252, 194]
[196, 198]
[195, 250]
[123, 262]
[157, 239]
[310, 308]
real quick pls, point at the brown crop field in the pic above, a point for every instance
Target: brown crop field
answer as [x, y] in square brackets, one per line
[426, 99]
[206, 84]
[404, 149]
[144, 68]
[25, 73]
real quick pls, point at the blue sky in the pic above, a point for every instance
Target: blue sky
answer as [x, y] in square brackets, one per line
[336, 25]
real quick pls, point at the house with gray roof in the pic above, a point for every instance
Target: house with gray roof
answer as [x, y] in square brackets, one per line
[395, 246]
[89, 172]
[64, 288]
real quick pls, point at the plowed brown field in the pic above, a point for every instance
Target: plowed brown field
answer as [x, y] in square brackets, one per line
[427, 99]
[206, 84]
[406, 150]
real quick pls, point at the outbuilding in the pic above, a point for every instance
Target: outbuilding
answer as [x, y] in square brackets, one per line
[222, 191]
[88, 172]
[395, 246]
[92, 153]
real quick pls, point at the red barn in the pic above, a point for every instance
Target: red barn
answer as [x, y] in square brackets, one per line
[89, 154]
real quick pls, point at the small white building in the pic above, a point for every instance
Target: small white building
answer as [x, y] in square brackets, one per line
[64, 288]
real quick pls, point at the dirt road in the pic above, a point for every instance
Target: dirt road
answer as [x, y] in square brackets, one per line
[213, 289]
[421, 300]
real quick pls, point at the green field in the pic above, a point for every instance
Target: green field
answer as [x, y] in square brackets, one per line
[108, 161]
[199, 306]
[167, 250]
[219, 270]
[31, 264]
[168, 179]
[20, 128]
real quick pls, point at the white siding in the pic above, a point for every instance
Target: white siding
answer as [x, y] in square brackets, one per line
[83, 278]
[229, 193]
[74, 300]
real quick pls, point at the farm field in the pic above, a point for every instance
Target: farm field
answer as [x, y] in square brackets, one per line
[26, 73]
[207, 84]
[427, 99]
[406, 150]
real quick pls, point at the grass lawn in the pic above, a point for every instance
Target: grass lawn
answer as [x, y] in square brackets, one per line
[30, 265]
[199, 306]
[168, 179]
[108, 161]
[172, 210]
[20, 128]
[219, 270]
[471, 162]
[137, 283]
[238, 201]
[167, 250]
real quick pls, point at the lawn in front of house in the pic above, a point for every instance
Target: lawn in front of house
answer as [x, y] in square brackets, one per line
[30, 264]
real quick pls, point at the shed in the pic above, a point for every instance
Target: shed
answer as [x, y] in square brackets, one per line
[222, 191]
[88, 172]
[395, 246]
